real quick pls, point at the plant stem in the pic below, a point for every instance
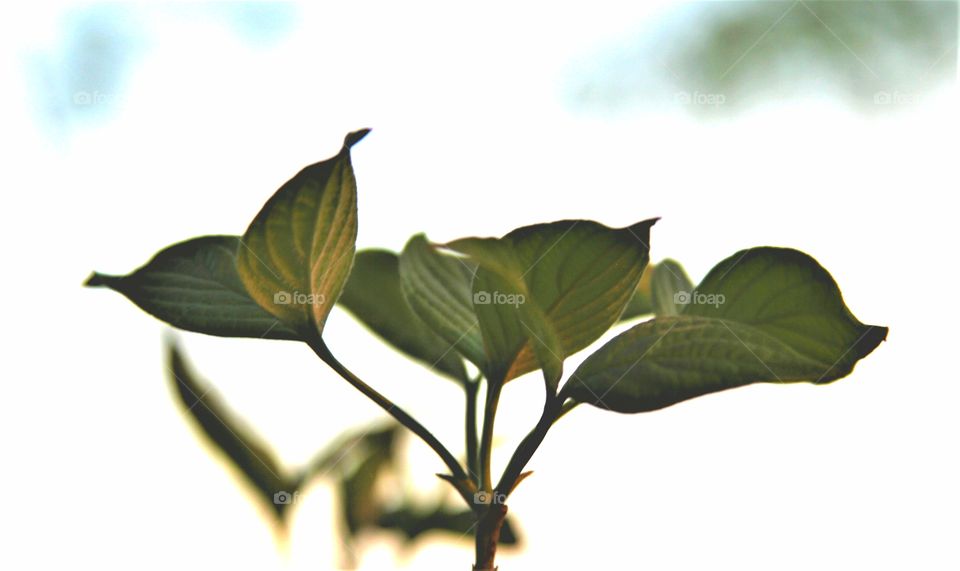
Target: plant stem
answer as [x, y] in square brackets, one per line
[401, 416]
[552, 410]
[486, 440]
[471, 429]
[567, 407]
[488, 536]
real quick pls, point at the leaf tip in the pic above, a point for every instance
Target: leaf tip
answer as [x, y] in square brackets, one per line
[96, 280]
[355, 137]
[523, 476]
[643, 227]
[876, 335]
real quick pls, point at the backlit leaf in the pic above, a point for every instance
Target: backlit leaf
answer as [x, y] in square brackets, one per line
[762, 315]
[543, 292]
[437, 288]
[640, 303]
[297, 252]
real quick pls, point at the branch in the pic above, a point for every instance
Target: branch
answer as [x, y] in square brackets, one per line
[320, 348]
[552, 407]
[470, 390]
[486, 439]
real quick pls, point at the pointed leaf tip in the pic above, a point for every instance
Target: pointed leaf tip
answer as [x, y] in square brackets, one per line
[355, 137]
[95, 280]
[558, 286]
[194, 285]
[298, 251]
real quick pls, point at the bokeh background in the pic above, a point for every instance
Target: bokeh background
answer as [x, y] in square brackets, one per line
[830, 127]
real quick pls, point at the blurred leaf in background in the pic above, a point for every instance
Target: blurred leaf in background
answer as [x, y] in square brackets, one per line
[358, 462]
[717, 57]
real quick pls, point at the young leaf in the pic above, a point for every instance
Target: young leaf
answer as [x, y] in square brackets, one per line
[670, 286]
[242, 448]
[437, 288]
[762, 315]
[373, 296]
[297, 253]
[194, 285]
[544, 292]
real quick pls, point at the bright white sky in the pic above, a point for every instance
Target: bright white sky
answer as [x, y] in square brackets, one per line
[472, 136]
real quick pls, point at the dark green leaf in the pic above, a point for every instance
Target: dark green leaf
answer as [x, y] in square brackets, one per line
[233, 439]
[762, 315]
[373, 296]
[544, 292]
[670, 288]
[437, 288]
[298, 251]
[194, 285]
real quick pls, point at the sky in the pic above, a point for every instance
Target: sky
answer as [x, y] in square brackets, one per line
[128, 128]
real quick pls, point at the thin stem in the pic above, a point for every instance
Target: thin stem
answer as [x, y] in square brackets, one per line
[470, 390]
[551, 412]
[486, 439]
[401, 416]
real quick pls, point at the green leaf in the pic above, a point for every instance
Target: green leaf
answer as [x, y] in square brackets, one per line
[762, 315]
[544, 292]
[437, 288]
[373, 296]
[194, 285]
[298, 251]
[641, 302]
[670, 288]
[242, 448]
[346, 450]
[360, 505]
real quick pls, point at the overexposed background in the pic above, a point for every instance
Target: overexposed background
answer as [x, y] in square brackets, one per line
[127, 128]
